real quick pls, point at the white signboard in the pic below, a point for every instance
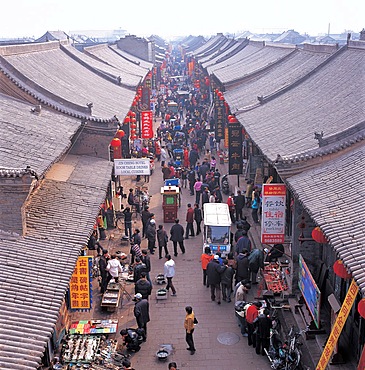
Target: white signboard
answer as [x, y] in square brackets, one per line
[127, 167]
[273, 213]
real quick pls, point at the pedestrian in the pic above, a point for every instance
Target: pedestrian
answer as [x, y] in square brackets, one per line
[205, 196]
[252, 311]
[143, 286]
[242, 271]
[243, 243]
[145, 216]
[231, 207]
[93, 243]
[263, 325]
[255, 205]
[145, 258]
[138, 268]
[198, 217]
[162, 240]
[189, 222]
[214, 272]
[136, 237]
[166, 172]
[218, 194]
[114, 268]
[256, 261]
[131, 200]
[226, 281]
[189, 329]
[135, 252]
[192, 180]
[151, 235]
[105, 276]
[169, 272]
[274, 253]
[177, 236]
[198, 190]
[239, 201]
[172, 366]
[141, 313]
[248, 194]
[128, 222]
[240, 290]
[193, 157]
[163, 156]
[205, 258]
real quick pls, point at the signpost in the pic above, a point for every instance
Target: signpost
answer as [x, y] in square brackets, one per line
[128, 167]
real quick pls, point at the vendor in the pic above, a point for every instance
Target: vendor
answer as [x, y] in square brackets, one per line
[274, 253]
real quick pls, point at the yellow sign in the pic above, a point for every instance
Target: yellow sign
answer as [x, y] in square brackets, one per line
[338, 326]
[80, 286]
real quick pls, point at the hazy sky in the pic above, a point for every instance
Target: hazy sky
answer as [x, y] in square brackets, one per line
[165, 18]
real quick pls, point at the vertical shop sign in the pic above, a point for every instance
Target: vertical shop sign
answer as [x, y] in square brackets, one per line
[235, 148]
[338, 326]
[147, 131]
[219, 119]
[80, 286]
[273, 213]
[145, 101]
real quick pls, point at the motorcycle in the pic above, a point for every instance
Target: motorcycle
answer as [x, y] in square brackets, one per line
[284, 356]
[225, 184]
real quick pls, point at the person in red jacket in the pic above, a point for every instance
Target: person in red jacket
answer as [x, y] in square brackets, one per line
[252, 311]
[189, 222]
[205, 258]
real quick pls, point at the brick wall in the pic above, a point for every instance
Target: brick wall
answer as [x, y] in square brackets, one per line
[13, 193]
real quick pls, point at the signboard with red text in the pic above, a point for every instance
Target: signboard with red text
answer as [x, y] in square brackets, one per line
[80, 286]
[273, 213]
[147, 130]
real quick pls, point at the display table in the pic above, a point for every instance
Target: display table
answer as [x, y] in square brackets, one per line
[274, 278]
[111, 297]
[94, 327]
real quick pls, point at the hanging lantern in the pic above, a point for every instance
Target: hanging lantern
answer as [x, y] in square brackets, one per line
[134, 104]
[126, 120]
[133, 114]
[318, 236]
[340, 270]
[133, 125]
[361, 308]
[221, 97]
[120, 134]
[116, 146]
[219, 93]
[233, 119]
[133, 120]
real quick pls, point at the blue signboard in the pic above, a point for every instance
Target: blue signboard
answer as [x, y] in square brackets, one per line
[309, 289]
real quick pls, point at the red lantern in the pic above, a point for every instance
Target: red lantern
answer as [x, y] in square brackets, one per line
[133, 114]
[120, 134]
[221, 97]
[134, 104]
[133, 125]
[361, 308]
[116, 145]
[233, 119]
[127, 120]
[340, 270]
[318, 236]
[216, 91]
[133, 120]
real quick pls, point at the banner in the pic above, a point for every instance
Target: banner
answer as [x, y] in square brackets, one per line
[273, 213]
[147, 130]
[220, 117]
[338, 326]
[235, 163]
[80, 286]
[127, 167]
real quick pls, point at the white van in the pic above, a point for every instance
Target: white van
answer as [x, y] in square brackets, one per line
[217, 228]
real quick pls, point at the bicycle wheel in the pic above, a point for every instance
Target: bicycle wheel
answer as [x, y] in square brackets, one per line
[120, 223]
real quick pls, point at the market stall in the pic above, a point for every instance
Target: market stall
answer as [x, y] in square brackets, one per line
[274, 274]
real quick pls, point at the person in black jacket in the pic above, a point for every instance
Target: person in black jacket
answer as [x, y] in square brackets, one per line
[198, 218]
[239, 201]
[141, 313]
[177, 236]
[263, 325]
[151, 235]
[214, 276]
[145, 216]
[226, 281]
[128, 222]
[143, 286]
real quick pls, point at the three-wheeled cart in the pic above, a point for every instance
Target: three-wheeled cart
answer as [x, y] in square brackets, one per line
[170, 202]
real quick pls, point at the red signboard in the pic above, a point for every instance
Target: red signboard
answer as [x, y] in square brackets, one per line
[273, 213]
[147, 131]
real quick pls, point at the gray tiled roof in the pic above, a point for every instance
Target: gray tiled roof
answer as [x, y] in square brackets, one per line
[54, 78]
[28, 139]
[254, 62]
[127, 79]
[274, 78]
[226, 46]
[250, 49]
[142, 63]
[36, 269]
[334, 196]
[205, 48]
[331, 100]
[109, 55]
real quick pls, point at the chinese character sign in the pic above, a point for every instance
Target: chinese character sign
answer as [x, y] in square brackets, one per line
[235, 148]
[273, 213]
[80, 286]
[338, 326]
[147, 131]
[219, 115]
